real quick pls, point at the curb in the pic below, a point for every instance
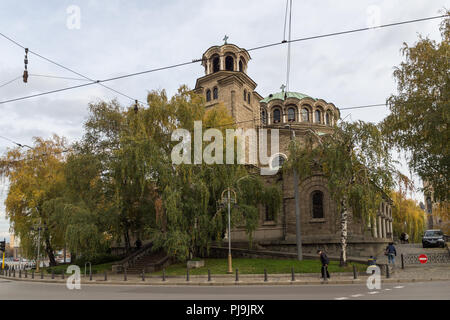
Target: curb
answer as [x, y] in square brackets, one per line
[220, 283]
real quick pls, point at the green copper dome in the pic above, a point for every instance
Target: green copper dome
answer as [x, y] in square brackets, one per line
[281, 96]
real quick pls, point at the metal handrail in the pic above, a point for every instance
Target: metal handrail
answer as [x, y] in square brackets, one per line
[131, 259]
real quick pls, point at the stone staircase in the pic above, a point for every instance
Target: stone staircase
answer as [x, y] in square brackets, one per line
[144, 259]
[150, 262]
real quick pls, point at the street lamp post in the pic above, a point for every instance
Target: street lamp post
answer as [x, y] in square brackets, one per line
[229, 190]
[38, 246]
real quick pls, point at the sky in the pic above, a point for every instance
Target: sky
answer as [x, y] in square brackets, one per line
[115, 37]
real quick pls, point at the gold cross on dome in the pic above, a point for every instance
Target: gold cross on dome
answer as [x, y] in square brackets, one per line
[225, 39]
[282, 87]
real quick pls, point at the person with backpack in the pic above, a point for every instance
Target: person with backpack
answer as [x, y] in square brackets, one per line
[391, 253]
[325, 261]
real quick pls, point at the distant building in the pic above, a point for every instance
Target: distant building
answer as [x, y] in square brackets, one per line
[14, 244]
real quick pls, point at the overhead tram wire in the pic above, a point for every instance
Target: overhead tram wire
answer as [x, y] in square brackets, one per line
[198, 60]
[220, 126]
[70, 70]
[10, 81]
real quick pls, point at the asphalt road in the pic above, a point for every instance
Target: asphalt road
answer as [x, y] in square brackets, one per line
[404, 291]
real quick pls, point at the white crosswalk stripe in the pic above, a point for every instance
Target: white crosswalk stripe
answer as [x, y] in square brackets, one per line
[399, 287]
[373, 292]
[357, 295]
[341, 298]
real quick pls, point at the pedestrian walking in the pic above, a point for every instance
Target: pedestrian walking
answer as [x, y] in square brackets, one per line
[325, 261]
[391, 253]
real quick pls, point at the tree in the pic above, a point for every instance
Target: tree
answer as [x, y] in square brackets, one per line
[420, 111]
[36, 177]
[356, 161]
[407, 217]
[192, 216]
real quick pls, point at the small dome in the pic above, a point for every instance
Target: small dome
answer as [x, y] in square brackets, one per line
[282, 95]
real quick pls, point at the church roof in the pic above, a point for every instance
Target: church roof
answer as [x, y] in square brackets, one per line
[281, 96]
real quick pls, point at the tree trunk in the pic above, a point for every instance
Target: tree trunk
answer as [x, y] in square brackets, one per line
[344, 223]
[49, 251]
[127, 241]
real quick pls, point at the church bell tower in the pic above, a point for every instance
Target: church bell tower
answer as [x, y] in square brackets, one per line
[226, 81]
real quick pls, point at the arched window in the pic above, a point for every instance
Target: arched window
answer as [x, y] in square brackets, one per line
[276, 116]
[215, 93]
[317, 116]
[229, 63]
[245, 95]
[317, 205]
[305, 115]
[328, 119]
[263, 117]
[208, 95]
[241, 66]
[291, 114]
[248, 98]
[216, 64]
[269, 216]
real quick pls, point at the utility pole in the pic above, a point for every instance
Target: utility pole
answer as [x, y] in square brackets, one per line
[297, 209]
[38, 249]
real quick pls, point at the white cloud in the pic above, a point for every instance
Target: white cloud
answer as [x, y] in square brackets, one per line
[119, 37]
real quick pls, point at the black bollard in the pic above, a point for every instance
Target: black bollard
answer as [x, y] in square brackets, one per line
[90, 274]
[355, 275]
[42, 274]
[237, 275]
[32, 274]
[26, 274]
[53, 274]
[387, 271]
[20, 273]
[265, 275]
[14, 273]
[164, 275]
[143, 274]
[187, 274]
[125, 274]
[106, 276]
[292, 274]
[209, 275]
[403, 261]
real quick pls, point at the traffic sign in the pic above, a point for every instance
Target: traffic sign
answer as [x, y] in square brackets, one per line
[423, 258]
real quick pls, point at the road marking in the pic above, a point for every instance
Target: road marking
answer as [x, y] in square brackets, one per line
[372, 292]
[357, 295]
[399, 287]
[387, 289]
[341, 298]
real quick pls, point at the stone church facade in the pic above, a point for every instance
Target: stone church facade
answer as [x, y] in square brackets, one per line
[226, 81]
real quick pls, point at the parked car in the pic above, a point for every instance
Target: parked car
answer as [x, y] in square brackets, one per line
[433, 238]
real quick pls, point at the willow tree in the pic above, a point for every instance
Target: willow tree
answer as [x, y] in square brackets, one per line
[420, 111]
[35, 177]
[355, 159]
[192, 215]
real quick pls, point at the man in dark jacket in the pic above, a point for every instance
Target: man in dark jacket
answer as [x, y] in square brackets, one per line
[391, 252]
[325, 261]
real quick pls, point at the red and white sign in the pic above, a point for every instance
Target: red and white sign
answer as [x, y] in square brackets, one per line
[423, 258]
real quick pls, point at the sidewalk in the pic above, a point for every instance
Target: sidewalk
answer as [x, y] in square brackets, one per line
[410, 274]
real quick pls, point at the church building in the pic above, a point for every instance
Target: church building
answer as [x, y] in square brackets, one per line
[226, 81]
